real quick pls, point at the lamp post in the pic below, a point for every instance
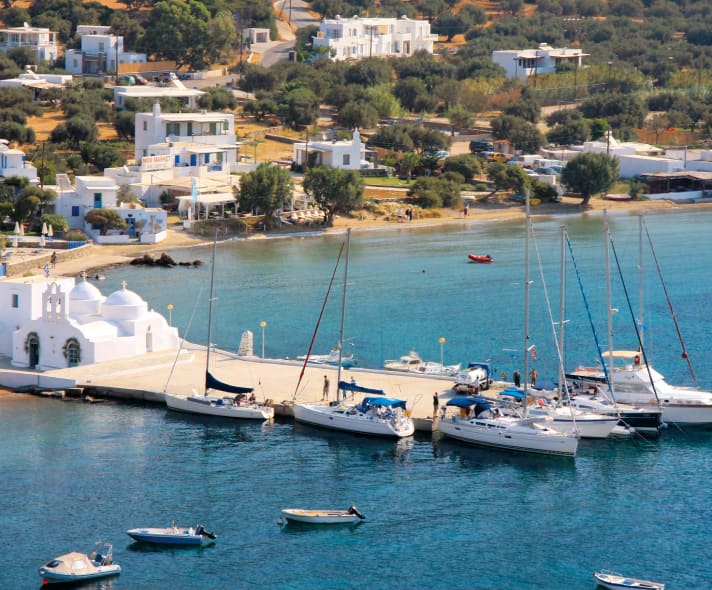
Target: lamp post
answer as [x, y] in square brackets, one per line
[169, 307]
[608, 86]
[441, 340]
[263, 325]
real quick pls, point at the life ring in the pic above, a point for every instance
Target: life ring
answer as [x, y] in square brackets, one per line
[636, 360]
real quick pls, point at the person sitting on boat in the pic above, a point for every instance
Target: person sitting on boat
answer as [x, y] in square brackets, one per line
[252, 399]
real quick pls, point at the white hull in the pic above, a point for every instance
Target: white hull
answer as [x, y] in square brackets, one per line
[587, 425]
[614, 581]
[183, 536]
[222, 407]
[103, 571]
[348, 419]
[509, 433]
[319, 516]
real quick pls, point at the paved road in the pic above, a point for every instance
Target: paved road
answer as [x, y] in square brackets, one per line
[297, 16]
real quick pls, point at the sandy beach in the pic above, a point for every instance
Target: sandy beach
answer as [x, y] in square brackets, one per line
[102, 257]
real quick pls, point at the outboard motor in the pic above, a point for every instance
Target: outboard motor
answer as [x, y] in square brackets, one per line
[354, 510]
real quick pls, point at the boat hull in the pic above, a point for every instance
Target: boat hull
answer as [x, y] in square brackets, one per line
[480, 259]
[492, 433]
[182, 536]
[103, 571]
[339, 418]
[617, 582]
[319, 516]
[222, 407]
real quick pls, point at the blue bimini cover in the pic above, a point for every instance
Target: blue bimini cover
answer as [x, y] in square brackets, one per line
[382, 401]
[466, 402]
[346, 386]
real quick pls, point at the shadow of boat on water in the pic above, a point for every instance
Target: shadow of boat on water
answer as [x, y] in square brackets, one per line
[140, 547]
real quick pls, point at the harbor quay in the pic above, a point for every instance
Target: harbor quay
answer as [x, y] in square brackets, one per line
[147, 377]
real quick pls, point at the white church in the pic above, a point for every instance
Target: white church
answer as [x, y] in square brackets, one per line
[55, 322]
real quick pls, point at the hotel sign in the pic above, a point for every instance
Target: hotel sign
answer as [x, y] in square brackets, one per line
[149, 163]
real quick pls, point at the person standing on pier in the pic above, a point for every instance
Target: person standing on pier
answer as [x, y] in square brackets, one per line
[325, 391]
[436, 404]
[517, 377]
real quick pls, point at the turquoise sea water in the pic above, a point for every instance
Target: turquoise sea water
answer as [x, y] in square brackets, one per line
[439, 514]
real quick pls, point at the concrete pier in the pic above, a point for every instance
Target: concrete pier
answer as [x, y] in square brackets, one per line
[147, 377]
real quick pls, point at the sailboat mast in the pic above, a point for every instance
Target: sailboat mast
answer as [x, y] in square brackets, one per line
[609, 308]
[210, 305]
[640, 276]
[526, 303]
[562, 304]
[343, 312]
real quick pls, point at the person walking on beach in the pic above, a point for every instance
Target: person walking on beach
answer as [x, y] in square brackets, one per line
[325, 391]
[517, 378]
[53, 260]
[533, 376]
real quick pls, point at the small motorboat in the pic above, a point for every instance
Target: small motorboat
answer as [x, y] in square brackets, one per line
[348, 516]
[615, 581]
[482, 259]
[77, 567]
[174, 535]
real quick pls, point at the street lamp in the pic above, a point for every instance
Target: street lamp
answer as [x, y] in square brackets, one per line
[608, 86]
[263, 325]
[169, 307]
[441, 340]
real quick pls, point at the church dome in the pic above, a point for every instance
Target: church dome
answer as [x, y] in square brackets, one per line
[124, 305]
[84, 291]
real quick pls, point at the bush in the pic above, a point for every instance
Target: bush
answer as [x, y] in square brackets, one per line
[76, 236]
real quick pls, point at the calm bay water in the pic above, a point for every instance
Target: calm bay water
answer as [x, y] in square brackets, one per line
[439, 514]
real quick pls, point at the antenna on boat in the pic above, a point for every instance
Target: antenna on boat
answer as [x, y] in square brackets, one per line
[526, 298]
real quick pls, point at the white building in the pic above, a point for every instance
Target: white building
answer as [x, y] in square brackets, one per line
[255, 36]
[14, 163]
[359, 38]
[100, 52]
[345, 154]
[41, 41]
[51, 323]
[37, 82]
[147, 225]
[522, 63]
[188, 96]
[206, 138]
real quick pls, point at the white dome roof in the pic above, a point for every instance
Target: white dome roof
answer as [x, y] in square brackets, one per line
[85, 291]
[124, 305]
[123, 297]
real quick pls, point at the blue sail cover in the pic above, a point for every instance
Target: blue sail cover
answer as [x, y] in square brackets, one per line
[212, 383]
[513, 392]
[346, 386]
[382, 401]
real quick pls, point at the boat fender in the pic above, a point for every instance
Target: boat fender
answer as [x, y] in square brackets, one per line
[636, 360]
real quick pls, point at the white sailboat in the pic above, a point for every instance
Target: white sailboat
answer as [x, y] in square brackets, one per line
[635, 381]
[375, 415]
[237, 405]
[478, 422]
[413, 363]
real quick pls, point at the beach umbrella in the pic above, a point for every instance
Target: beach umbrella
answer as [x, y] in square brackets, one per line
[17, 228]
[50, 231]
[22, 229]
[44, 229]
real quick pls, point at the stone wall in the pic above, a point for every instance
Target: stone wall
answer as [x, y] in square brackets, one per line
[35, 263]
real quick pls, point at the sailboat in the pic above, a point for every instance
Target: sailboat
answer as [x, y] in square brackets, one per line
[634, 380]
[376, 414]
[478, 422]
[237, 405]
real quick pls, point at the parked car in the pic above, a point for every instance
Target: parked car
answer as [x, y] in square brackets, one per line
[439, 154]
[140, 80]
[494, 157]
[551, 170]
[481, 146]
[127, 80]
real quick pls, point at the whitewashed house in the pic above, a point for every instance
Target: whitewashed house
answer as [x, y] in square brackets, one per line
[31, 79]
[53, 322]
[146, 225]
[522, 63]
[212, 136]
[359, 38]
[255, 36]
[41, 41]
[176, 90]
[344, 154]
[100, 52]
[14, 162]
